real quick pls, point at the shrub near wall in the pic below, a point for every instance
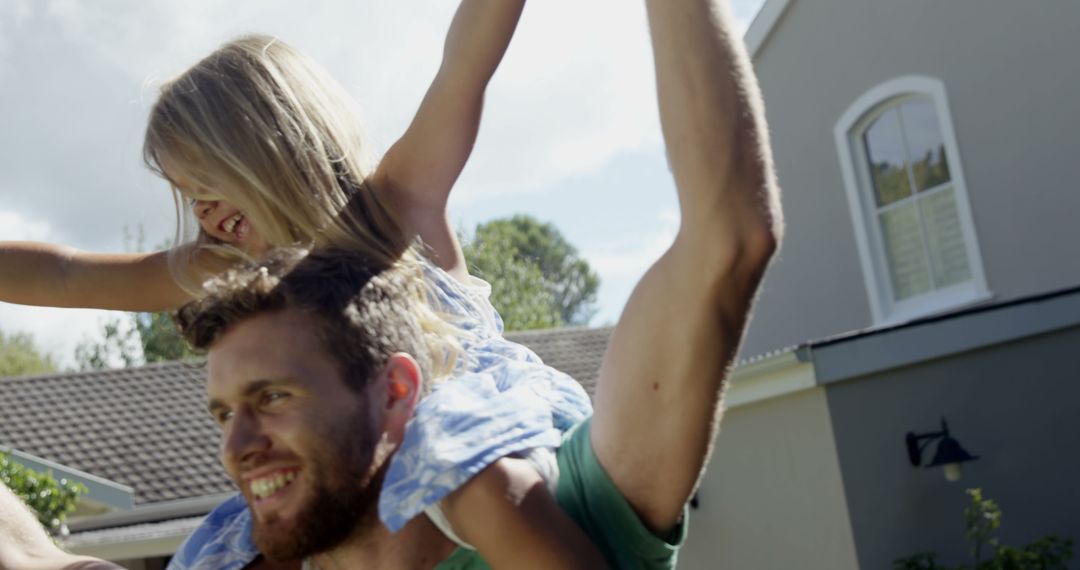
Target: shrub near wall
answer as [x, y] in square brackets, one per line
[49, 498]
[982, 518]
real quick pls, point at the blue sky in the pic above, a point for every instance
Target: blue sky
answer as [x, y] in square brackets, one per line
[570, 133]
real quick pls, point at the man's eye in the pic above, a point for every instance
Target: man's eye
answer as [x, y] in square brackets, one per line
[223, 416]
[273, 397]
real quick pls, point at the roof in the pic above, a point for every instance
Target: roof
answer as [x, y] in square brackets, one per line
[147, 427]
[575, 351]
[764, 23]
[142, 427]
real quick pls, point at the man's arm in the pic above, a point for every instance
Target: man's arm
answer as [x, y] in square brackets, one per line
[420, 169]
[24, 545]
[658, 399]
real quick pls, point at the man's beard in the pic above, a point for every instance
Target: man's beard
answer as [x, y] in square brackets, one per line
[344, 497]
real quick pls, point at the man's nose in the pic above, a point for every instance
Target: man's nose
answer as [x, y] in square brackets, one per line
[202, 208]
[243, 441]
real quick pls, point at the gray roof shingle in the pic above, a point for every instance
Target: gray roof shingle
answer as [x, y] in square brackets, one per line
[144, 427]
[148, 428]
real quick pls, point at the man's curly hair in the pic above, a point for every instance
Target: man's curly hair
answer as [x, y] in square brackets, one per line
[363, 313]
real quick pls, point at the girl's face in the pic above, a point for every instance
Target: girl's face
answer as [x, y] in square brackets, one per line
[218, 217]
[225, 223]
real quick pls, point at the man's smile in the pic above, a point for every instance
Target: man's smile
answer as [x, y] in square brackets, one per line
[269, 489]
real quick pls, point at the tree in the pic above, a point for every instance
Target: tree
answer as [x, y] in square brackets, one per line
[19, 356]
[137, 338]
[517, 288]
[50, 499]
[133, 340]
[537, 278]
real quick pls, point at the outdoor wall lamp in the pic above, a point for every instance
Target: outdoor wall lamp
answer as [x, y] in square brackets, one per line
[949, 453]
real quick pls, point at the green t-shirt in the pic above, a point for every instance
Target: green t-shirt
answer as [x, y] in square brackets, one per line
[587, 494]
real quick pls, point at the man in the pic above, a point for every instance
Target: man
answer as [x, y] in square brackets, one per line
[659, 394]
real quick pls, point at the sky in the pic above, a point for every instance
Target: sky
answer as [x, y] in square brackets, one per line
[570, 132]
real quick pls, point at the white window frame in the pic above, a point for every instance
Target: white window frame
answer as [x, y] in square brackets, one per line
[853, 165]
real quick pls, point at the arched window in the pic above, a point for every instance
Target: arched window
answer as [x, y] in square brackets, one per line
[908, 201]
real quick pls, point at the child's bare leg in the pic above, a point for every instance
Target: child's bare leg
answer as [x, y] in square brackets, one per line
[507, 513]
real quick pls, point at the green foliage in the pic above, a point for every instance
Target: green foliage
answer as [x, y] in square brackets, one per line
[50, 499]
[118, 347]
[517, 288]
[161, 340]
[137, 338]
[19, 356]
[537, 278]
[922, 561]
[982, 518]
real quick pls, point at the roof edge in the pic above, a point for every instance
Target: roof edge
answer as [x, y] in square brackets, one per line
[153, 512]
[870, 352]
[779, 374]
[99, 489]
[764, 23]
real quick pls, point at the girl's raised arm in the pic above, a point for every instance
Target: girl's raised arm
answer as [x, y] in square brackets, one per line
[420, 169]
[52, 275]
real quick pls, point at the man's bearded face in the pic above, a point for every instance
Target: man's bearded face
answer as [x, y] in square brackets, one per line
[298, 442]
[339, 496]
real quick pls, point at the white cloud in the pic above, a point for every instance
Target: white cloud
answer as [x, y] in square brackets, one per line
[630, 256]
[620, 262]
[14, 226]
[575, 92]
[55, 331]
[11, 20]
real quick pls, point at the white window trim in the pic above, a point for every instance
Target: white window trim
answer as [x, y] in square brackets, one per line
[867, 235]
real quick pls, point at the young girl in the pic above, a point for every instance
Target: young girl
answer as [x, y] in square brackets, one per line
[264, 148]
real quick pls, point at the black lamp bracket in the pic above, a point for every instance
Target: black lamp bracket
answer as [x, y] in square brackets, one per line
[915, 448]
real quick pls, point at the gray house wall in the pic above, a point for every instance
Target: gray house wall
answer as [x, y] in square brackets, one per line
[1011, 404]
[1013, 84]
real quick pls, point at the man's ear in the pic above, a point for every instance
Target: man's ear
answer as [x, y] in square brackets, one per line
[398, 391]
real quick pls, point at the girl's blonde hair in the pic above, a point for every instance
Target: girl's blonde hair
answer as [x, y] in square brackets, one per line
[261, 125]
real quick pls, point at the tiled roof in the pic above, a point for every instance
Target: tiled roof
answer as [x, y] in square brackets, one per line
[143, 427]
[148, 428]
[576, 351]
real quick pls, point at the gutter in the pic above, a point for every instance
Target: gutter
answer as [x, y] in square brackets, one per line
[153, 512]
[99, 490]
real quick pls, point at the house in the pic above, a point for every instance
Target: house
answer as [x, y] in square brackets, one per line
[927, 153]
[928, 274]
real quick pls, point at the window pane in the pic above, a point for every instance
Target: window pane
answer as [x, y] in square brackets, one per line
[904, 250]
[888, 161]
[930, 166]
[948, 252]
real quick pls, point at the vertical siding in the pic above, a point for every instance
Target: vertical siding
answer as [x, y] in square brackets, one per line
[1013, 83]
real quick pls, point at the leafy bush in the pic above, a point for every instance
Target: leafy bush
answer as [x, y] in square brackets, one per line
[50, 499]
[982, 518]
